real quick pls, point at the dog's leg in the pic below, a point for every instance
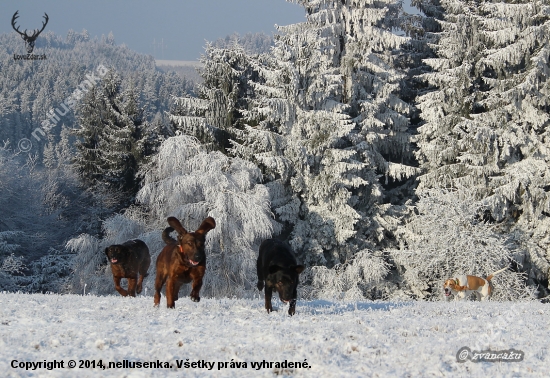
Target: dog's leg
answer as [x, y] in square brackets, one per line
[484, 293]
[268, 294]
[489, 291]
[139, 284]
[119, 288]
[177, 290]
[260, 284]
[144, 267]
[159, 282]
[132, 287]
[170, 289]
[197, 284]
[196, 275]
[292, 307]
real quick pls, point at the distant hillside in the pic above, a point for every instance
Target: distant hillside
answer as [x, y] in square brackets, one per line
[178, 63]
[187, 69]
[31, 89]
[253, 43]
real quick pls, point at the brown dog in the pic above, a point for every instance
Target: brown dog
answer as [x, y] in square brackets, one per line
[182, 261]
[463, 286]
[129, 260]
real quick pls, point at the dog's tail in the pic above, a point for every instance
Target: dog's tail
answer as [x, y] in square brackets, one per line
[490, 276]
[166, 236]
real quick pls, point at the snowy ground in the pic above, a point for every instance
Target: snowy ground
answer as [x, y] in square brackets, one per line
[368, 339]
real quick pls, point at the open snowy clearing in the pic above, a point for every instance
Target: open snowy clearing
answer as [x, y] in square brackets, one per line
[378, 339]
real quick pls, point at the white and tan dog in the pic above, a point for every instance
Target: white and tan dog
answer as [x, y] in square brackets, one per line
[463, 286]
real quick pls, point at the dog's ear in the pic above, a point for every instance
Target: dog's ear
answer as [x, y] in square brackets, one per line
[452, 283]
[274, 269]
[107, 251]
[206, 225]
[176, 225]
[299, 268]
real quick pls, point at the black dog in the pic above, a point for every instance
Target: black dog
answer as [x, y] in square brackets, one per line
[127, 261]
[277, 266]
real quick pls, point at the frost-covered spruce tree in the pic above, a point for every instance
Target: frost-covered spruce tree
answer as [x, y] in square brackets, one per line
[372, 85]
[325, 122]
[113, 137]
[447, 236]
[223, 94]
[298, 141]
[186, 181]
[12, 271]
[486, 122]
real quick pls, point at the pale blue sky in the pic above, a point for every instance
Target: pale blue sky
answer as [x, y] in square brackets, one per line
[183, 25]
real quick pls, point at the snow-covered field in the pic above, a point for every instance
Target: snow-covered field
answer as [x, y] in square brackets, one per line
[336, 339]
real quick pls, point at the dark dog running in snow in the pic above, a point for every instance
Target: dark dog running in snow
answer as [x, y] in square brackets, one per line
[182, 260]
[277, 266]
[129, 260]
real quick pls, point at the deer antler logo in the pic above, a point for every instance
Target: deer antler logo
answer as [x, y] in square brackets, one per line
[29, 39]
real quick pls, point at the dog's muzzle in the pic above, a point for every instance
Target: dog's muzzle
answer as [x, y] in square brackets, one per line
[191, 262]
[114, 261]
[447, 291]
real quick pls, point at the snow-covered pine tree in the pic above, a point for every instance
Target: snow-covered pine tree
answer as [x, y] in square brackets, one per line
[213, 115]
[48, 155]
[486, 122]
[289, 129]
[111, 39]
[117, 139]
[149, 94]
[113, 137]
[11, 269]
[326, 121]
[88, 160]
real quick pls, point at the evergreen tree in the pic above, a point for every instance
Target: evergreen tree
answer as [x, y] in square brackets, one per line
[216, 115]
[88, 161]
[486, 121]
[113, 137]
[327, 120]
